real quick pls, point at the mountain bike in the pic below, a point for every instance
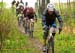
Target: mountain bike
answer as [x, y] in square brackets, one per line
[25, 20]
[50, 43]
[20, 19]
[31, 27]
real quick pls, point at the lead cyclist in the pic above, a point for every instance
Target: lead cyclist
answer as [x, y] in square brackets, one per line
[49, 17]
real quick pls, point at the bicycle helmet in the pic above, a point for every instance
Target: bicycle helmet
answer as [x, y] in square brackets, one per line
[20, 5]
[50, 6]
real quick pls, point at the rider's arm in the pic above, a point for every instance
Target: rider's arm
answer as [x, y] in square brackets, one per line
[43, 21]
[60, 21]
[44, 18]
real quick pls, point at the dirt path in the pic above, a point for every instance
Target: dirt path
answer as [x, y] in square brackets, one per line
[36, 43]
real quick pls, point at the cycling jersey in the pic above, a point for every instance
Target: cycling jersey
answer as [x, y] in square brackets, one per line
[29, 12]
[48, 19]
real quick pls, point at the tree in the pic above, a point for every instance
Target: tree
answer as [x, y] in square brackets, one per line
[60, 6]
[43, 6]
[48, 1]
[1, 5]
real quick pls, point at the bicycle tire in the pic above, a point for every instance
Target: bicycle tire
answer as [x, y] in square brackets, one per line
[25, 26]
[50, 44]
[31, 29]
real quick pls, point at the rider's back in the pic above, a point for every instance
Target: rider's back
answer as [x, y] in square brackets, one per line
[30, 10]
[20, 7]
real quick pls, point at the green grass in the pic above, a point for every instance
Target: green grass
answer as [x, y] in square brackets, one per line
[65, 43]
[16, 42]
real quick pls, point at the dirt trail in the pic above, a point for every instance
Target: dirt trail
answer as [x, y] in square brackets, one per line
[36, 43]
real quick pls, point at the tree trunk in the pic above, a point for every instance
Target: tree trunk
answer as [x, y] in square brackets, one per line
[43, 6]
[60, 7]
[1, 6]
[74, 8]
[48, 1]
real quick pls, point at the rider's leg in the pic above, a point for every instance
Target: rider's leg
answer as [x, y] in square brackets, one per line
[51, 36]
[46, 31]
[53, 29]
[28, 24]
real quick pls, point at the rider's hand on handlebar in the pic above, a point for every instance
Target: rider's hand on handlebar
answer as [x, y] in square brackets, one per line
[60, 29]
[44, 27]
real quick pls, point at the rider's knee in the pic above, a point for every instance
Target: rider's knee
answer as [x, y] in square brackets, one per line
[53, 34]
[45, 35]
[53, 30]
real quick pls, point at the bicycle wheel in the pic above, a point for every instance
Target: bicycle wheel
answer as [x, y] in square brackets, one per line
[31, 29]
[25, 25]
[50, 45]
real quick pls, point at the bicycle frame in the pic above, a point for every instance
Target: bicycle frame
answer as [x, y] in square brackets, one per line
[30, 27]
[50, 43]
[25, 24]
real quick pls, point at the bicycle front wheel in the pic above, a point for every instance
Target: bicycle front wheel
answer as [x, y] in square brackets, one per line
[50, 45]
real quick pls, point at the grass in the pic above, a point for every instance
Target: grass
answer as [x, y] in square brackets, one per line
[16, 42]
[65, 43]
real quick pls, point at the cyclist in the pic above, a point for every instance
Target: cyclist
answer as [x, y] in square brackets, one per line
[49, 20]
[25, 9]
[20, 9]
[17, 8]
[17, 3]
[29, 14]
[21, 1]
[13, 3]
[26, 4]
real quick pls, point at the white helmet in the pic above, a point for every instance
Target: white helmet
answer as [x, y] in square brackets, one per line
[50, 6]
[20, 4]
